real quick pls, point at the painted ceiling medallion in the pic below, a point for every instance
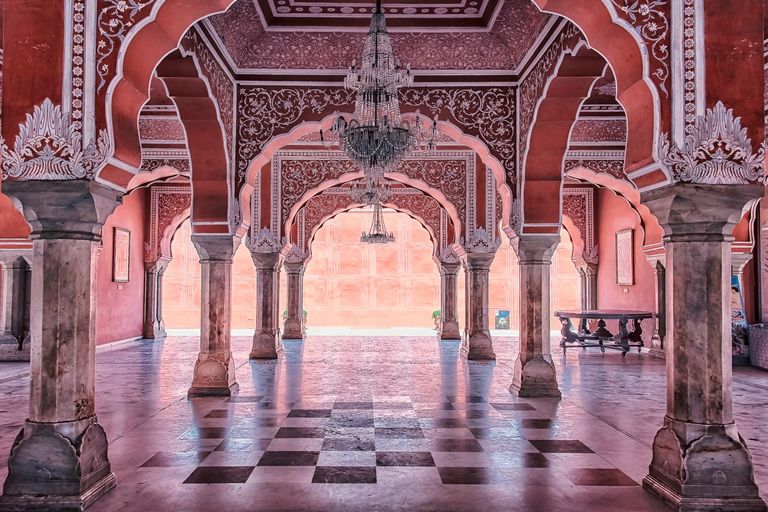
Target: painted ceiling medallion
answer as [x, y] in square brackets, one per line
[717, 151]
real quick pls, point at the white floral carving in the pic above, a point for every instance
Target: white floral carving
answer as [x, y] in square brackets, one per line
[591, 255]
[49, 147]
[265, 241]
[296, 254]
[716, 151]
[482, 241]
[114, 22]
[515, 217]
[448, 255]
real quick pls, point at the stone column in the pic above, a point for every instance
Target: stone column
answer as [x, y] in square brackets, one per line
[535, 374]
[154, 325]
[14, 305]
[215, 366]
[266, 341]
[588, 281]
[477, 343]
[700, 462]
[660, 288]
[59, 460]
[294, 318]
[449, 289]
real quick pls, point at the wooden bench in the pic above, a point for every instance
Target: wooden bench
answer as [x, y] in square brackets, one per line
[603, 338]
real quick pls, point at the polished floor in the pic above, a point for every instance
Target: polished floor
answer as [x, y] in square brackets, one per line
[380, 423]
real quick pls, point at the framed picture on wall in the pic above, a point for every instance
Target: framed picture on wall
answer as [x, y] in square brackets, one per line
[625, 271]
[121, 256]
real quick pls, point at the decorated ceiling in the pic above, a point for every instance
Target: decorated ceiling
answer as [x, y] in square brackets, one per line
[440, 35]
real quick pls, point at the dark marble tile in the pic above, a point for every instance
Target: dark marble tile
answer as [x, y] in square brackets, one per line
[351, 421]
[404, 459]
[344, 475]
[175, 459]
[536, 423]
[241, 399]
[559, 446]
[512, 407]
[278, 406]
[392, 405]
[456, 445]
[601, 477]
[310, 413]
[243, 445]
[399, 433]
[353, 405]
[205, 433]
[341, 444]
[276, 458]
[475, 413]
[471, 399]
[469, 476]
[220, 475]
[219, 413]
[519, 460]
[397, 422]
[299, 432]
[442, 423]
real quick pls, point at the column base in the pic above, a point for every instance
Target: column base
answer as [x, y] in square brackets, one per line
[450, 331]
[9, 348]
[47, 470]
[266, 346]
[293, 330]
[214, 376]
[656, 348]
[154, 333]
[699, 467]
[478, 347]
[535, 379]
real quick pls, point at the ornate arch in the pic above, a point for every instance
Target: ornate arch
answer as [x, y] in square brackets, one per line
[169, 208]
[555, 114]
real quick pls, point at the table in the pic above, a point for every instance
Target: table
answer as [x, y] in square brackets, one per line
[622, 340]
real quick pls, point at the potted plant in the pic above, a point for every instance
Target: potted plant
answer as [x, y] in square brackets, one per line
[436, 317]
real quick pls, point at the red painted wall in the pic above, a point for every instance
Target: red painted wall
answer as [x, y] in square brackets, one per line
[614, 214]
[121, 305]
[12, 223]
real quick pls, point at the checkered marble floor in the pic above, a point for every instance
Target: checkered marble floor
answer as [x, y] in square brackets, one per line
[369, 423]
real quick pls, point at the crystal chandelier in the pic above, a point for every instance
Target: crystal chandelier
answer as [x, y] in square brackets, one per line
[378, 233]
[370, 193]
[377, 138]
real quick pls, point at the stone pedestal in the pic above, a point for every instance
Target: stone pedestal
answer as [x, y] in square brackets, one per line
[59, 460]
[535, 374]
[266, 341]
[215, 367]
[293, 329]
[14, 305]
[154, 325]
[449, 289]
[700, 462]
[477, 343]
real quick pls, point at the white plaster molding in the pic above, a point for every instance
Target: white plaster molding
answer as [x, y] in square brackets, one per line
[482, 241]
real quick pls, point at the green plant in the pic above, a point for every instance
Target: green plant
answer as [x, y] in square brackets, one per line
[436, 314]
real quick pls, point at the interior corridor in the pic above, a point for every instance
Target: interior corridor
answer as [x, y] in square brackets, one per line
[385, 421]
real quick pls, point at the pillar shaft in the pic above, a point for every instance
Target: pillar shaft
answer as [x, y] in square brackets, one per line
[14, 305]
[294, 317]
[59, 461]
[699, 460]
[449, 310]
[477, 343]
[535, 374]
[588, 282]
[658, 346]
[215, 367]
[154, 326]
[266, 341]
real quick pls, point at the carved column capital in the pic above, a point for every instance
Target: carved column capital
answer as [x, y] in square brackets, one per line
[219, 248]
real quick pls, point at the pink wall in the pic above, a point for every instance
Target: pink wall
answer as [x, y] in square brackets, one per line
[614, 214]
[12, 223]
[120, 311]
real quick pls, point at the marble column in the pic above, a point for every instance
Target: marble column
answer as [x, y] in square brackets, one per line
[588, 282]
[154, 325]
[449, 290]
[14, 305]
[267, 343]
[477, 343]
[294, 318]
[215, 367]
[535, 374]
[660, 294]
[700, 462]
[59, 460]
